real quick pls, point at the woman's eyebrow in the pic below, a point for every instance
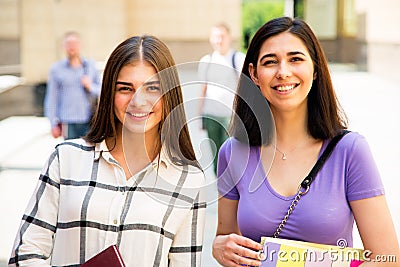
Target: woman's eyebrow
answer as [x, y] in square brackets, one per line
[124, 83]
[293, 53]
[130, 84]
[152, 82]
[267, 55]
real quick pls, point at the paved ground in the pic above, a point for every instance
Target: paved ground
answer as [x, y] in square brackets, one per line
[371, 104]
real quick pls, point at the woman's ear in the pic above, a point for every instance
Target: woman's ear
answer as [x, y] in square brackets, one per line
[253, 73]
[315, 75]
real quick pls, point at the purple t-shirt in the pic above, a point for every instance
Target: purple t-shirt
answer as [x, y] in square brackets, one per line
[323, 215]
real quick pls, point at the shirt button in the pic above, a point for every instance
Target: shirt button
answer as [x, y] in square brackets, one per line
[115, 221]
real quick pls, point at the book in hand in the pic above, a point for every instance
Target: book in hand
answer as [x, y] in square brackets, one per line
[283, 252]
[110, 257]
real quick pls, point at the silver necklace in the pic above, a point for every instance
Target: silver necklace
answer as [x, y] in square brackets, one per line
[283, 153]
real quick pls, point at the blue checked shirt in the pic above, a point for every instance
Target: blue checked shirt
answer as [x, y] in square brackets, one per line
[66, 100]
[83, 203]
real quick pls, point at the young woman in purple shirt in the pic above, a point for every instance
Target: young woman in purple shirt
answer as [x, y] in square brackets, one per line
[286, 83]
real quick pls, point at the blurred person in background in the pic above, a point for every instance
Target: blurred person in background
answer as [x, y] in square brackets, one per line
[219, 72]
[73, 87]
[132, 181]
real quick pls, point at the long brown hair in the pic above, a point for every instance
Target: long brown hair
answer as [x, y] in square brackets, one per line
[253, 123]
[173, 130]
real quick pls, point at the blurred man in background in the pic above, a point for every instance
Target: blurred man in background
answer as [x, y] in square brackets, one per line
[219, 72]
[73, 87]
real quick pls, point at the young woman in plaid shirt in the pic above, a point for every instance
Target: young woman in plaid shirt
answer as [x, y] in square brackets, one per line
[133, 180]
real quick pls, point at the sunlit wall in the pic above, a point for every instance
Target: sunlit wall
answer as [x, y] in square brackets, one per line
[38, 26]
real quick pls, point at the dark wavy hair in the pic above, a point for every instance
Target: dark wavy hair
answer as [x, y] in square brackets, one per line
[253, 122]
[173, 130]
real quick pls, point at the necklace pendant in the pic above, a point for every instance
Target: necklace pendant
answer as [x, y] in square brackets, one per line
[283, 156]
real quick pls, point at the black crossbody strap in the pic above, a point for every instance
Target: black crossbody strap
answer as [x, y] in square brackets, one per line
[305, 185]
[321, 161]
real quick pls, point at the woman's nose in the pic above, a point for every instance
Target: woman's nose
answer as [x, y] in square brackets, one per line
[139, 98]
[283, 71]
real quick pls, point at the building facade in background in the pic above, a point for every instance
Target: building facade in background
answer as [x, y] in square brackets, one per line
[361, 32]
[31, 31]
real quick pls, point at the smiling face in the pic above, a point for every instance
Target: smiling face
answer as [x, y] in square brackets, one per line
[284, 72]
[138, 102]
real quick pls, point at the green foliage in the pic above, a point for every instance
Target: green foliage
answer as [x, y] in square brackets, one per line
[256, 13]
[299, 9]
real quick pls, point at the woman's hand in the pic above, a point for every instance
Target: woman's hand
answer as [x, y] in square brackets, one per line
[234, 251]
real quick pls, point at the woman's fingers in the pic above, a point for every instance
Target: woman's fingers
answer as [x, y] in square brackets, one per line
[242, 260]
[248, 245]
[234, 250]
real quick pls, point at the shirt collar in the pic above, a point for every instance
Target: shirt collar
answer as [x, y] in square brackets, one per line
[164, 160]
[83, 61]
[102, 150]
[228, 54]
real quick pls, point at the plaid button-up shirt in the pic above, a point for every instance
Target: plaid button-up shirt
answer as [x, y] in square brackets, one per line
[83, 203]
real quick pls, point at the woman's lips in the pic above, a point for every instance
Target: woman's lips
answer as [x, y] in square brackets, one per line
[139, 115]
[285, 88]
